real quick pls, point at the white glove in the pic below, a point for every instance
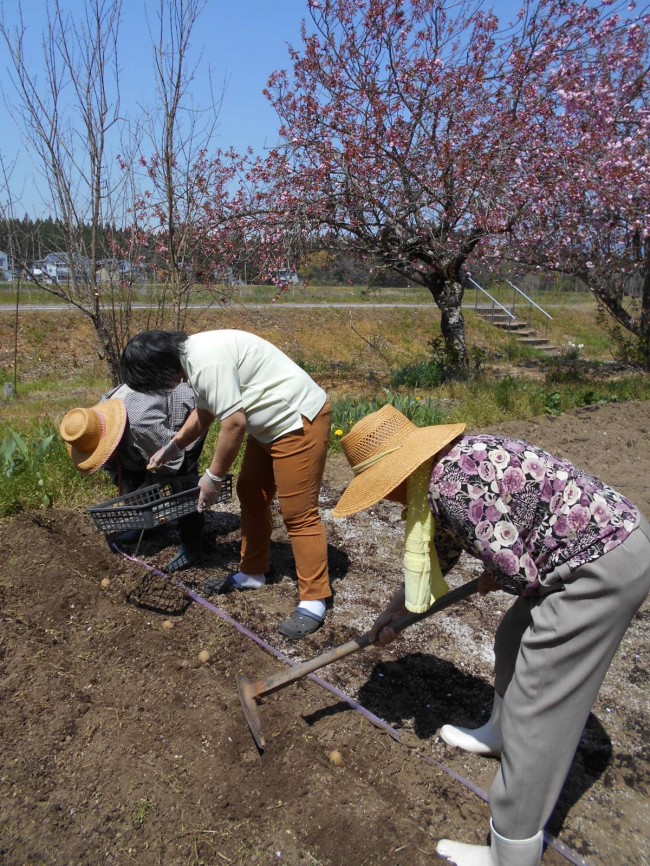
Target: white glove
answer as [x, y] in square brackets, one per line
[209, 490]
[168, 452]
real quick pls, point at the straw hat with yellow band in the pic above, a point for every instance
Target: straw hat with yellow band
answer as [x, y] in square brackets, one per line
[92, 435]
[384, 450]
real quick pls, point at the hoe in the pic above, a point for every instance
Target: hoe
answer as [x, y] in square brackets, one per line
[250, 692]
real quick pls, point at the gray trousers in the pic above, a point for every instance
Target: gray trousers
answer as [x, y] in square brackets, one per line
[551, 655]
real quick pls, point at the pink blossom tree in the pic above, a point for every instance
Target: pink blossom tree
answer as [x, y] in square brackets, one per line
[589, 211]
[416, 131]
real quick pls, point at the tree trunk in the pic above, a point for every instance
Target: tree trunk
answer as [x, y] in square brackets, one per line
[634, 321]
[448, 295]
[644, 318]
[109, 351]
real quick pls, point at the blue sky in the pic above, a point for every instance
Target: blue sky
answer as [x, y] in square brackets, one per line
[241, 41]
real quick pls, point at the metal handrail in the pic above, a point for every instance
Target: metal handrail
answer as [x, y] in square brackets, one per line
[530, 300]
[494, 300]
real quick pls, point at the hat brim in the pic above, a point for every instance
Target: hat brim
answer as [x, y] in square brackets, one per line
[114, 412]
[378, 480]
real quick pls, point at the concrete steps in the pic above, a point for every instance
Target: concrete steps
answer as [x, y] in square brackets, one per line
[521, 331]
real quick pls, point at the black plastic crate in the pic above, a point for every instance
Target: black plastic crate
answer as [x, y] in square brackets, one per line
[152, 506]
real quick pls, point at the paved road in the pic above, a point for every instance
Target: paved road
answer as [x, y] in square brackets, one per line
[57, 308]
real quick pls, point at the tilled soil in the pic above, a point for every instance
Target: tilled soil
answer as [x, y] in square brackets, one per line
[119, 746]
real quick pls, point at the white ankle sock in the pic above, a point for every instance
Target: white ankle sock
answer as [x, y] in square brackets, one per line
[250, 581]
[316, 607]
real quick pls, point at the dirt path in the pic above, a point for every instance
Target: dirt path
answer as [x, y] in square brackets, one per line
[117, 746]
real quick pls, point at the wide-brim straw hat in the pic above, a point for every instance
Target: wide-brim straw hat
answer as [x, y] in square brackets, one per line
[383, 449]
[92, 435]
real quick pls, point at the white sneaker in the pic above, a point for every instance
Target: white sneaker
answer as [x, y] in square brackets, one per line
[465, 855]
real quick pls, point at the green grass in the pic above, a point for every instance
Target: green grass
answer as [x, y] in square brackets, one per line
[27, 293]
[487, 401]
[482, 404]
[363, 359]
[314, 293]
[38, 472]
[346, 411]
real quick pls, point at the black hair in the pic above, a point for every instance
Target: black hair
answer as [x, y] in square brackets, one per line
[150, 362]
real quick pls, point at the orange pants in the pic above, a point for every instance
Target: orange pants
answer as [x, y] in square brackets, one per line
[291, 466]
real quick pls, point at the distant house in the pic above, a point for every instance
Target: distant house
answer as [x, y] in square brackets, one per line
[5, 272]
[36, 271]
[58, 267]
[116, 270]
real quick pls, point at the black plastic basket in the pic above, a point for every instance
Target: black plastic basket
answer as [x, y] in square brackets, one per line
[152, 506]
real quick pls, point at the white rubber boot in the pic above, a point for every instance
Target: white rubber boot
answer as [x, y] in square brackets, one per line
[502, 851]
[516, 852]
[485, 741]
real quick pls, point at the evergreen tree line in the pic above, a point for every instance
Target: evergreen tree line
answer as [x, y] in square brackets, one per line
[28, 241]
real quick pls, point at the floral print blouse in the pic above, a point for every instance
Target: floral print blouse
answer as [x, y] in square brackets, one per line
[521, 511]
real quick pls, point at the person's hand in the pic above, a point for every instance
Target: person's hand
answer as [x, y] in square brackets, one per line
[381, 634]
[209, 491]
[486, 584]
[168, 452]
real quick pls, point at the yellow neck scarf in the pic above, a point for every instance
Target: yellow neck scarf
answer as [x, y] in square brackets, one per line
[423, 580]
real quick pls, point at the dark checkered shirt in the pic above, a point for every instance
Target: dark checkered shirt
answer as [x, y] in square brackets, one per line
[152, 421]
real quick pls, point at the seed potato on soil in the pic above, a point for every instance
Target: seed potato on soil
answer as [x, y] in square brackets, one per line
[118, 746]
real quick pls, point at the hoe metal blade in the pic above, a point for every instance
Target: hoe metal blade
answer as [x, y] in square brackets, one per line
[247, 697]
